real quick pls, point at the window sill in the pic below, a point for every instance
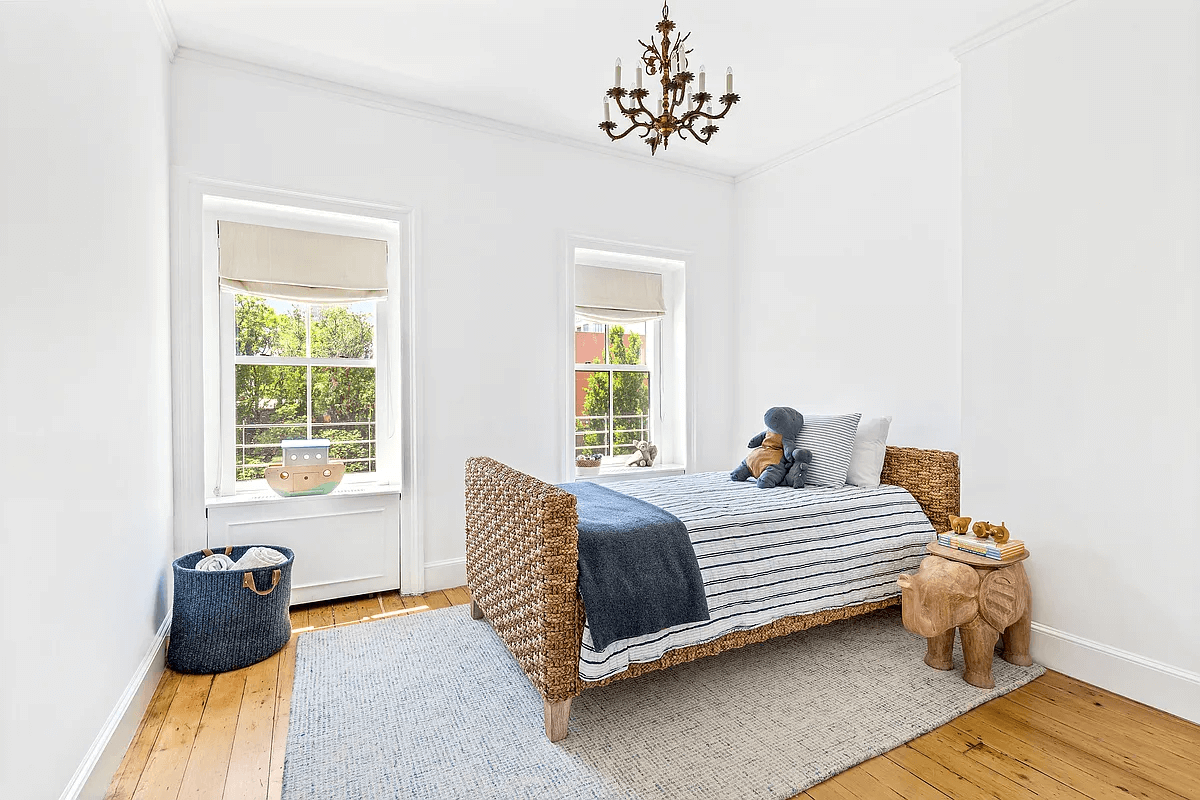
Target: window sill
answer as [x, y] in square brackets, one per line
[622, 473]
[268, 496]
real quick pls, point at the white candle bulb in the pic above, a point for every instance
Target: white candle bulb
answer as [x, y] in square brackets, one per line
[702, 77]
[639, 77]
[607, 113]
[708, 110]
[729, 81]
[617, 74]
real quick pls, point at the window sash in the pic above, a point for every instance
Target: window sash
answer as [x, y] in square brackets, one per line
[650, 369]
[230, 444]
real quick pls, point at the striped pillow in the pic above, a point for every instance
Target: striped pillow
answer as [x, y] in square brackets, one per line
[831, 440]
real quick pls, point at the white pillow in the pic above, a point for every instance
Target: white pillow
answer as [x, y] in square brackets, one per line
[870, 446]
[831, 440]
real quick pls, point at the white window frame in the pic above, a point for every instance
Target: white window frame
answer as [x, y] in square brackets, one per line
[229, 483]
[220, 394]
[651, 367]
[672, 403]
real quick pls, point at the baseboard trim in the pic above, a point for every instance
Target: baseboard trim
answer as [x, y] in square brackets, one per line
[1163, 686]
[103, 758]
[445, 574]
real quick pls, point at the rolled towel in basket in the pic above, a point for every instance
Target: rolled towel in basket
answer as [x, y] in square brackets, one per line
[217, 562]
[259, 557]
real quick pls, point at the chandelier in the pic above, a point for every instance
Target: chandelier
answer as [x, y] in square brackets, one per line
[680, 110]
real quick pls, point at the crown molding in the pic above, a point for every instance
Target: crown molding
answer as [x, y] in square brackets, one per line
[999, 31]
[166, 31]
[888, 111]
[425, 111]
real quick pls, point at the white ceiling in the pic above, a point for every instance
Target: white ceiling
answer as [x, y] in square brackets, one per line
[804, 68]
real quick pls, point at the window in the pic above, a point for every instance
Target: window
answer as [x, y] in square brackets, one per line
[613, 378]
[299, 371]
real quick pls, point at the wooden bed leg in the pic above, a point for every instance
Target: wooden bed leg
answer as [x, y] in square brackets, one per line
[476, 611]
[558, 713]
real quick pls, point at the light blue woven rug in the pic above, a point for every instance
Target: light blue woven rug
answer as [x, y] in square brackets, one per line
[433, 706]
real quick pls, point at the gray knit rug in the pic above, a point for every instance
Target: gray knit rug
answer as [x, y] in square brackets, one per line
[433, 706]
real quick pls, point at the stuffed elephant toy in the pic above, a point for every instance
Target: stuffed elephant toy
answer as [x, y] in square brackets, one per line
[980, 602]
[644, 454]
[775, 457]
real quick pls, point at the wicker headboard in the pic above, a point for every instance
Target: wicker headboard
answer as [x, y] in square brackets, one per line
[931, 476]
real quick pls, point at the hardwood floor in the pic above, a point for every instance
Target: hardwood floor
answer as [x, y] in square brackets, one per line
[222, 737]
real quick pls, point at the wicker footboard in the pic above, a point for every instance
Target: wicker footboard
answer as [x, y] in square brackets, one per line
[522, 571]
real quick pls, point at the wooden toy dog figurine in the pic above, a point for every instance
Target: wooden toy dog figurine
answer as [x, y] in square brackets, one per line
[959, 524]
[999, 533]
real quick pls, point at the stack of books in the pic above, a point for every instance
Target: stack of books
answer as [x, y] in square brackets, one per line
[982, 547]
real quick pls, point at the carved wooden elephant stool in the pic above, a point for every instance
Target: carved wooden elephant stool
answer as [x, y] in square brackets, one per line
[979, 601]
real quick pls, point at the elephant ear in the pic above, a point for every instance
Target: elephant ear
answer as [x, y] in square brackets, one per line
[1003, 597]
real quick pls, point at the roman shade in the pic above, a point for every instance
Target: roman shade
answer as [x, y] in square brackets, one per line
[618, 295]
[301, 265]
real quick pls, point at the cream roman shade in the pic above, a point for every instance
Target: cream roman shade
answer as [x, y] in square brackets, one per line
[301, 265]
[618, 295]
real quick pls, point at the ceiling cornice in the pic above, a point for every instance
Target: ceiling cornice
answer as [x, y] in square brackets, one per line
[986, 37]
[166, 31]
[888, 111]
[412, 108]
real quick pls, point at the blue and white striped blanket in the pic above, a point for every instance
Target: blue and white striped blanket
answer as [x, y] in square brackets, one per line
[766, 554]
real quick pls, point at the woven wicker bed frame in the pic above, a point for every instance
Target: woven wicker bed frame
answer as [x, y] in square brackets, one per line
[522, 570]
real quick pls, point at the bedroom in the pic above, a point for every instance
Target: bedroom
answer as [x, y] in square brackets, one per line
[977, 219]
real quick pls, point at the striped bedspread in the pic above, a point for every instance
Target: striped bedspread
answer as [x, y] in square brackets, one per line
[768, 554]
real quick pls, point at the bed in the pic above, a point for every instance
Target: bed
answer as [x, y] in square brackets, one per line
[845, 548]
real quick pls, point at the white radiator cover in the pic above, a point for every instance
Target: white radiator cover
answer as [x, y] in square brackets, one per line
[346, 543]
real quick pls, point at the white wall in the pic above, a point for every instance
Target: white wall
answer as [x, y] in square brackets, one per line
[849, 279]
[1081, 246]
[494, 213]
[84, 368]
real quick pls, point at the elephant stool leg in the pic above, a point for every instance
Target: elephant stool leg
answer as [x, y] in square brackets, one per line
[939, 650]
[979, 645]
[1016, 642]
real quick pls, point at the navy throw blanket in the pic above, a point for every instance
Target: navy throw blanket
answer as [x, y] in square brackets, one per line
[638, 572]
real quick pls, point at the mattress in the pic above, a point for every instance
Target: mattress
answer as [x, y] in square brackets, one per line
[766, 554]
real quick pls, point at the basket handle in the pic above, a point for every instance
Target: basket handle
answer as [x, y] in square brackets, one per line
[228, 550]
[248, 582]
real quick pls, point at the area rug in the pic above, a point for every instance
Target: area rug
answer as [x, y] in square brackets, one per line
[433, 706]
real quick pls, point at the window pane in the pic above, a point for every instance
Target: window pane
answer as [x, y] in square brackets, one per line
[270, 407]
[344, 331]
[631, 410]
[627, 343]
[344, 412]
[591, 413]
[589, 342]
[265, 327]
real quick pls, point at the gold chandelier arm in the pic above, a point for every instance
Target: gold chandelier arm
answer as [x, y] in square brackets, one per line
[691, 117]
[609, 127]
[637, 94]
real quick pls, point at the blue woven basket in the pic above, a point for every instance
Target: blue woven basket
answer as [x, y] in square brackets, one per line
[228, 620]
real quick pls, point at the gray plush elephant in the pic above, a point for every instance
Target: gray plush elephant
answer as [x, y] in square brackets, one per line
[776, 458]
[981, 602]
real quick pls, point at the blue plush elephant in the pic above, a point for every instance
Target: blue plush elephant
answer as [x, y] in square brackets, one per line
[775, 457]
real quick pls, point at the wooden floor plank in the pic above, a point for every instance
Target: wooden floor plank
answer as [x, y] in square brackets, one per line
[1097, 745]
[458, 596]
[250, 764]
[164, 770]
[204, 777]
[1088, 714]
[943, 745]
[1183, 776]
[857, 782]
[126, 778]
[900, 780]
[1115, 704]
[939, 776]
[283, 705]
[1058, 738]
[1096, 779]
[436, 599]
[320, 616]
